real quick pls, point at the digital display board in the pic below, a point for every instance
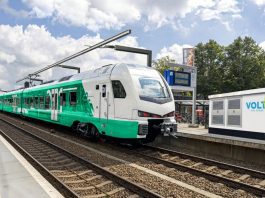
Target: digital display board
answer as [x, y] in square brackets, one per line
[182, 78]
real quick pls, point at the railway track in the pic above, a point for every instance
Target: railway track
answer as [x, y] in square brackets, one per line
[142, 168]
[237, 177]
[73, 175]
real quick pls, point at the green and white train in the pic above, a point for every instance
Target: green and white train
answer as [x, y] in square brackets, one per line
[126, 102]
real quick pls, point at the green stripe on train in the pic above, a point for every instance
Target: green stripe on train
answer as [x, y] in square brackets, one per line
[83, 111]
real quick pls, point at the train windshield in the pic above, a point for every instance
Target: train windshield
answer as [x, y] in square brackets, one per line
[153, 90]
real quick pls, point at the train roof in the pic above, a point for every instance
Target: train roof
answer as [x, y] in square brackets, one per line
[101, 71]
[238, 93]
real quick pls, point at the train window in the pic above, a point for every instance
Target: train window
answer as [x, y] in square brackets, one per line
[104, 91]
[28, 102]
[118, 89]
[14, 102]
[73, 98]
[55, 96]
[25, 101]
[62, 99]
[36, 102]
[31, 102]
[97, 87]
[41, 102]
[47, 102]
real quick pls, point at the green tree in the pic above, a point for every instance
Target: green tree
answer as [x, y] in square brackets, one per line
[162, 64]
[209, 58]
[239, 66]
[244, 65]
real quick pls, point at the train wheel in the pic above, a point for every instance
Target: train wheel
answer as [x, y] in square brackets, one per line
[94, 133]
[75, 126]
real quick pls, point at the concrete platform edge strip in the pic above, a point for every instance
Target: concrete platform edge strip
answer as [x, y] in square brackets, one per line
[45, 185]
[224, 140]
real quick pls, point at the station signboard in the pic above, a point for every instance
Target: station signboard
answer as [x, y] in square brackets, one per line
[177, 78]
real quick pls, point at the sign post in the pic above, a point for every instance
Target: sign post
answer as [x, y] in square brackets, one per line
[188, 59]
[185, 80]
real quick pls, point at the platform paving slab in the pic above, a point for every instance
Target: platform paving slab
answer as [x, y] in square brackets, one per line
[19, 179]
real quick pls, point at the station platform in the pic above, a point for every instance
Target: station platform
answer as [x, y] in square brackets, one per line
[19, 179]
[201, 133]
[199, 142]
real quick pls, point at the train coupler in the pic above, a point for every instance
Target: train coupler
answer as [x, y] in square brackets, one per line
[169, 128]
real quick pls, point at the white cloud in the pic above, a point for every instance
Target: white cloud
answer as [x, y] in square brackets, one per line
[4, 5]
[7, 58]
[221, 10]
[26, 50]
[113, 14]
[259, 2]
[174, 52]
[92, 14]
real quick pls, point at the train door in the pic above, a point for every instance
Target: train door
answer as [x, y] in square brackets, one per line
[54, 113]
[103, 102]
[106, 102]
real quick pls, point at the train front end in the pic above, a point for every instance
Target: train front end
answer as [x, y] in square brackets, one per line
[152, 104]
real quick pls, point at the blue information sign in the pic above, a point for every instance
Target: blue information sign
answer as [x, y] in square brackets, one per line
[177, 78]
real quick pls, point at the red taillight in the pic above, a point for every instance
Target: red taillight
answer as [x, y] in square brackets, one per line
[143, 114]
[146, 114]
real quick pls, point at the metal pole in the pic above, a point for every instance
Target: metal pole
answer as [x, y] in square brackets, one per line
[70, 67]
[193, 106]
[122, 34]
[194, 93]
[133, 50]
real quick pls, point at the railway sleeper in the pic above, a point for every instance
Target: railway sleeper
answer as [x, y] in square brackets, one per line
[262, 183]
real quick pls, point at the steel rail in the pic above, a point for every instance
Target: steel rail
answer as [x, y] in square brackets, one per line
[223, 165]
[101, 170]
[230, 182]
[40, 167]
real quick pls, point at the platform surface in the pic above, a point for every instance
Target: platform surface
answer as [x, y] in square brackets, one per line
[202, 134]
[19, 179]
[184, 128]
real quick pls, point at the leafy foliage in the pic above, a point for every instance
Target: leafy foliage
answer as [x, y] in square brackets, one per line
[244, 65]
[162, 64]
[238, 66]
